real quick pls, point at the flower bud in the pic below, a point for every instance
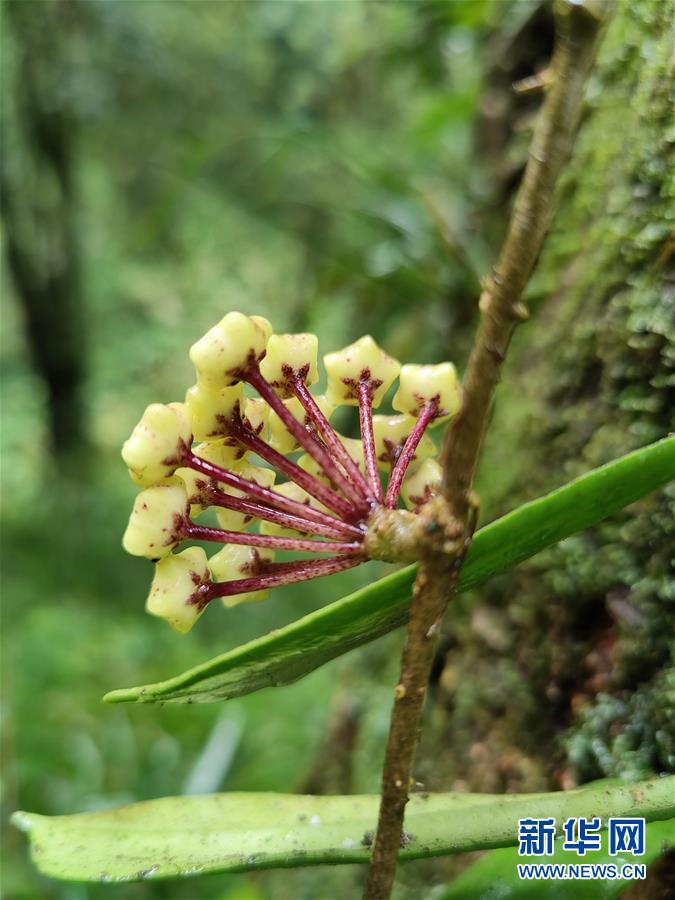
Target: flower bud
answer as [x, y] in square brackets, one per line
[211, 411]
[391, 433]
[280, 437]
[264, 325]
[420, 485]
[256, 416]
[231, 519]
[175, 588]
[420, 384]
[362, 359]
[228, 349]
[156, 520]
[288, 355]
[155, 447]
[233, 562]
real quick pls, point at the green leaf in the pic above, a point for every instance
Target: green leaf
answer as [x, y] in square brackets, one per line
[287, 654]
[495, 874]
[195, 835]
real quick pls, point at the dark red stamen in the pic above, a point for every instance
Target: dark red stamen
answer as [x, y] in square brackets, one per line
[252, 489]
[365, 395]
[272, 542]
[305, 438]
[329, 435]
[260, 511]
[278, 574]
[292, 470]
[427, 415]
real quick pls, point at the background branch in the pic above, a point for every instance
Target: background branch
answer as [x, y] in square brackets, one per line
[451, 519]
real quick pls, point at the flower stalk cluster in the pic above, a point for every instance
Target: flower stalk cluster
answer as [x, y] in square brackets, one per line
[206, 454]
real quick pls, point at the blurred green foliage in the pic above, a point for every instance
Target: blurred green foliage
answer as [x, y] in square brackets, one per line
[311, 162]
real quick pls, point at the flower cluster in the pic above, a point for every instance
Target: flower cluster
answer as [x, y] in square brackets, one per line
[206, 453]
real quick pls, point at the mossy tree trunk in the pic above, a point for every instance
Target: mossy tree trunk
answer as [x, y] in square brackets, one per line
[563, 671]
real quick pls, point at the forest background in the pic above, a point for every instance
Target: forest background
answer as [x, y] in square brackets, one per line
[341, 167]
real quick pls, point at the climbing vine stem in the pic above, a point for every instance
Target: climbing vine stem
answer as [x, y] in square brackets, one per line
[449, 521]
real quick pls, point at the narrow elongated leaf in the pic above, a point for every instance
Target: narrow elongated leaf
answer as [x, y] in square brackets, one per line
[195, 835]
[289, 653]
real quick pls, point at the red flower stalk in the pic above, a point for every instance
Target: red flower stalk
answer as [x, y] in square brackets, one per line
[331, 493]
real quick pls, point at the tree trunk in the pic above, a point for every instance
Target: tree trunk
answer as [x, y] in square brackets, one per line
[38, 207]
[558, 673]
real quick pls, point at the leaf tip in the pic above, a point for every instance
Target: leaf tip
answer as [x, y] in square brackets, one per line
[22, 820]
[123, 695]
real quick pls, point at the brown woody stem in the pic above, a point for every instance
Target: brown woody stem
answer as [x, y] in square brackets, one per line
[450, 519]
